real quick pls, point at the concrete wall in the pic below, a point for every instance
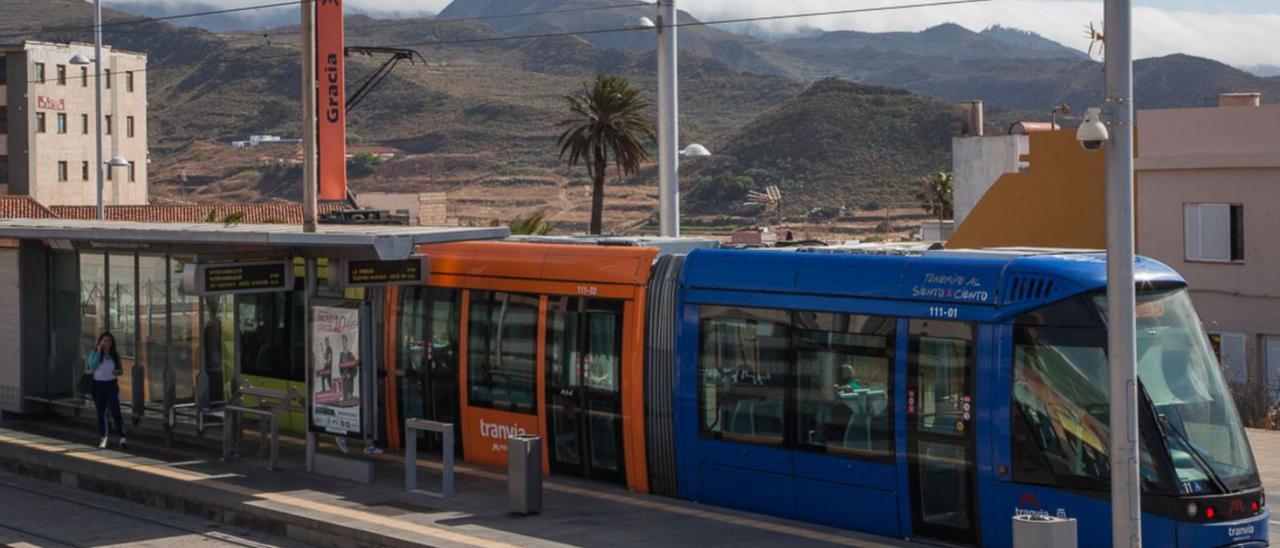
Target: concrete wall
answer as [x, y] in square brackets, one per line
[978, 162]
[423, 208]
[74, 99]
[1217, 155]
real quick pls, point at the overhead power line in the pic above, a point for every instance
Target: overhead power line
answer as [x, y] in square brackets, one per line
[624, 29]
[698, 23]
[437, 20]
[144, 20]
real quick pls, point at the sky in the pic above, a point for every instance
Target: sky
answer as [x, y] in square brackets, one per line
[1243, 33]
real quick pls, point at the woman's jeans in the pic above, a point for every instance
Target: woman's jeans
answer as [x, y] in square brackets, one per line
[106, 396]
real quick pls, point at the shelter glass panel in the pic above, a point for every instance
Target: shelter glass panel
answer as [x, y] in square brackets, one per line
[153, 297]
[185, 346]
[93, 304]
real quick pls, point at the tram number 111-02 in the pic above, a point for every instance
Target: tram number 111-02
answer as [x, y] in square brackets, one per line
[944, 312]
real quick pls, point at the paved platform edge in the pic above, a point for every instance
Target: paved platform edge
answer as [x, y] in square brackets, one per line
[187, 498]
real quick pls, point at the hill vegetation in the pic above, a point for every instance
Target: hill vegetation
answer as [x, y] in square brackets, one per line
[812, 114]
[836, 147]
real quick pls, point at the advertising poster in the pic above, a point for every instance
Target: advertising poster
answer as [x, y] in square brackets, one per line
[336, 370]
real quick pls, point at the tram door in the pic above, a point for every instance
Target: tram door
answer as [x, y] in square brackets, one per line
[584, 387]
[427, 360]
[940, 423]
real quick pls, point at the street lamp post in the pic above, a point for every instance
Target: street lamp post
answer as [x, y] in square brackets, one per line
[1126, 491]
[668, 117]
[79, 59]
[668, 122]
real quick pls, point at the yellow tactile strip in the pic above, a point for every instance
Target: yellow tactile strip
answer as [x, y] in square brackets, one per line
[437, 533]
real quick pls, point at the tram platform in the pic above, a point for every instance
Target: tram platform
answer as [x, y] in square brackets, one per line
[187, 476]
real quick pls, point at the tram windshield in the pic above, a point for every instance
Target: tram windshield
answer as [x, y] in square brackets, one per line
[1061, 398]
[1192, 406]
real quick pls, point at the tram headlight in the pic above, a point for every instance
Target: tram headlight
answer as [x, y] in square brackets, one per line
[1193, 510]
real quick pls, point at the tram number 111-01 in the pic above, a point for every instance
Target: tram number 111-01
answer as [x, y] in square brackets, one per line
[944, 312]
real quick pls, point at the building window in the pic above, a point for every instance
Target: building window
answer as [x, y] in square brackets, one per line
[4, 121]
[128, 126]
[39, 122]
[84, 77]
[4, 68]
[1230, 350]
[84, 124]
[501, 351]
[62, 123]
[132, 173]
[128, 81]
[39, 73]
[62, 75]
[4, 170]
[62, 171]
[1214, 232]
[106, 74]
[108, 124]
[84, 171]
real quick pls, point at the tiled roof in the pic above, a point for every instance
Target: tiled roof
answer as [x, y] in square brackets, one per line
[254, 213]
[22, 207]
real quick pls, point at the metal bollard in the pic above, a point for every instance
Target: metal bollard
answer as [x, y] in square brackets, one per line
[1043, 531]
[524, 474]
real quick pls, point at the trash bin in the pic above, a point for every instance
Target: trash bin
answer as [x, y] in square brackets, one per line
[524, 474]
[1043, 531]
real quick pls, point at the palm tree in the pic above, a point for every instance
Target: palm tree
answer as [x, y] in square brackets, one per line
[536, 224]
[937, 194]
[606, 118]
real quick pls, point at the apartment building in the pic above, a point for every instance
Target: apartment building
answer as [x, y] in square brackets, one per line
[47, 124]
[1208, 185]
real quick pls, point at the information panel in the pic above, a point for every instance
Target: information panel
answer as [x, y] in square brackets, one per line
[411, 271]
[233, 278]
[337, 375]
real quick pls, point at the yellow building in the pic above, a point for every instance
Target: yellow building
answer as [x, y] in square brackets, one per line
[1057, 201]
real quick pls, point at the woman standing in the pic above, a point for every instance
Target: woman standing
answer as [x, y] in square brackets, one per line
[105, 364]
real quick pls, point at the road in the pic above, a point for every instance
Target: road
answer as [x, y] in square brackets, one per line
[38, 513]
[1266, 450]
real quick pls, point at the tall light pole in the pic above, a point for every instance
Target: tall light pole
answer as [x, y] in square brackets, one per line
[668, 122]
[1126, 491]
[79, 59]
[668, 117]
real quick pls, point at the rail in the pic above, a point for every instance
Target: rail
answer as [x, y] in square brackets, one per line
[231, 432]
[411, 456]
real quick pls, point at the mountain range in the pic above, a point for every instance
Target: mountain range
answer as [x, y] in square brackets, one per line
[852, 115]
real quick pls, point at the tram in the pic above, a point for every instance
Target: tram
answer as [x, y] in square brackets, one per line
[915, 394]
[937, 395]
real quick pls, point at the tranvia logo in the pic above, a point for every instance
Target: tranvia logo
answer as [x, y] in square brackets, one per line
[497, 431]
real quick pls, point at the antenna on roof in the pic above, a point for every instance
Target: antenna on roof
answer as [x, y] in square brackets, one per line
[1096, 38]
[771, 198]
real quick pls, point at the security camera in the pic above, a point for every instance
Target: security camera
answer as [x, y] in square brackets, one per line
[1092, 133]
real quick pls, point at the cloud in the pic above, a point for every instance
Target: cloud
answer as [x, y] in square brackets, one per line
[1231, 37]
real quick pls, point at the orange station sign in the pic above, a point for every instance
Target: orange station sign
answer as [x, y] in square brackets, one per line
[331, 111]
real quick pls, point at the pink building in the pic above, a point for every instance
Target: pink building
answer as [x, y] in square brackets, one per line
[1208, 194]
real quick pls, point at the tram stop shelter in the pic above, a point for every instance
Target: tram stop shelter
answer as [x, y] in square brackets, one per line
[251, 297]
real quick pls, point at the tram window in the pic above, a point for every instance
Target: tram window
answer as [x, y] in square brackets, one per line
[844, 368]
[743, 372]
[501, 351]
